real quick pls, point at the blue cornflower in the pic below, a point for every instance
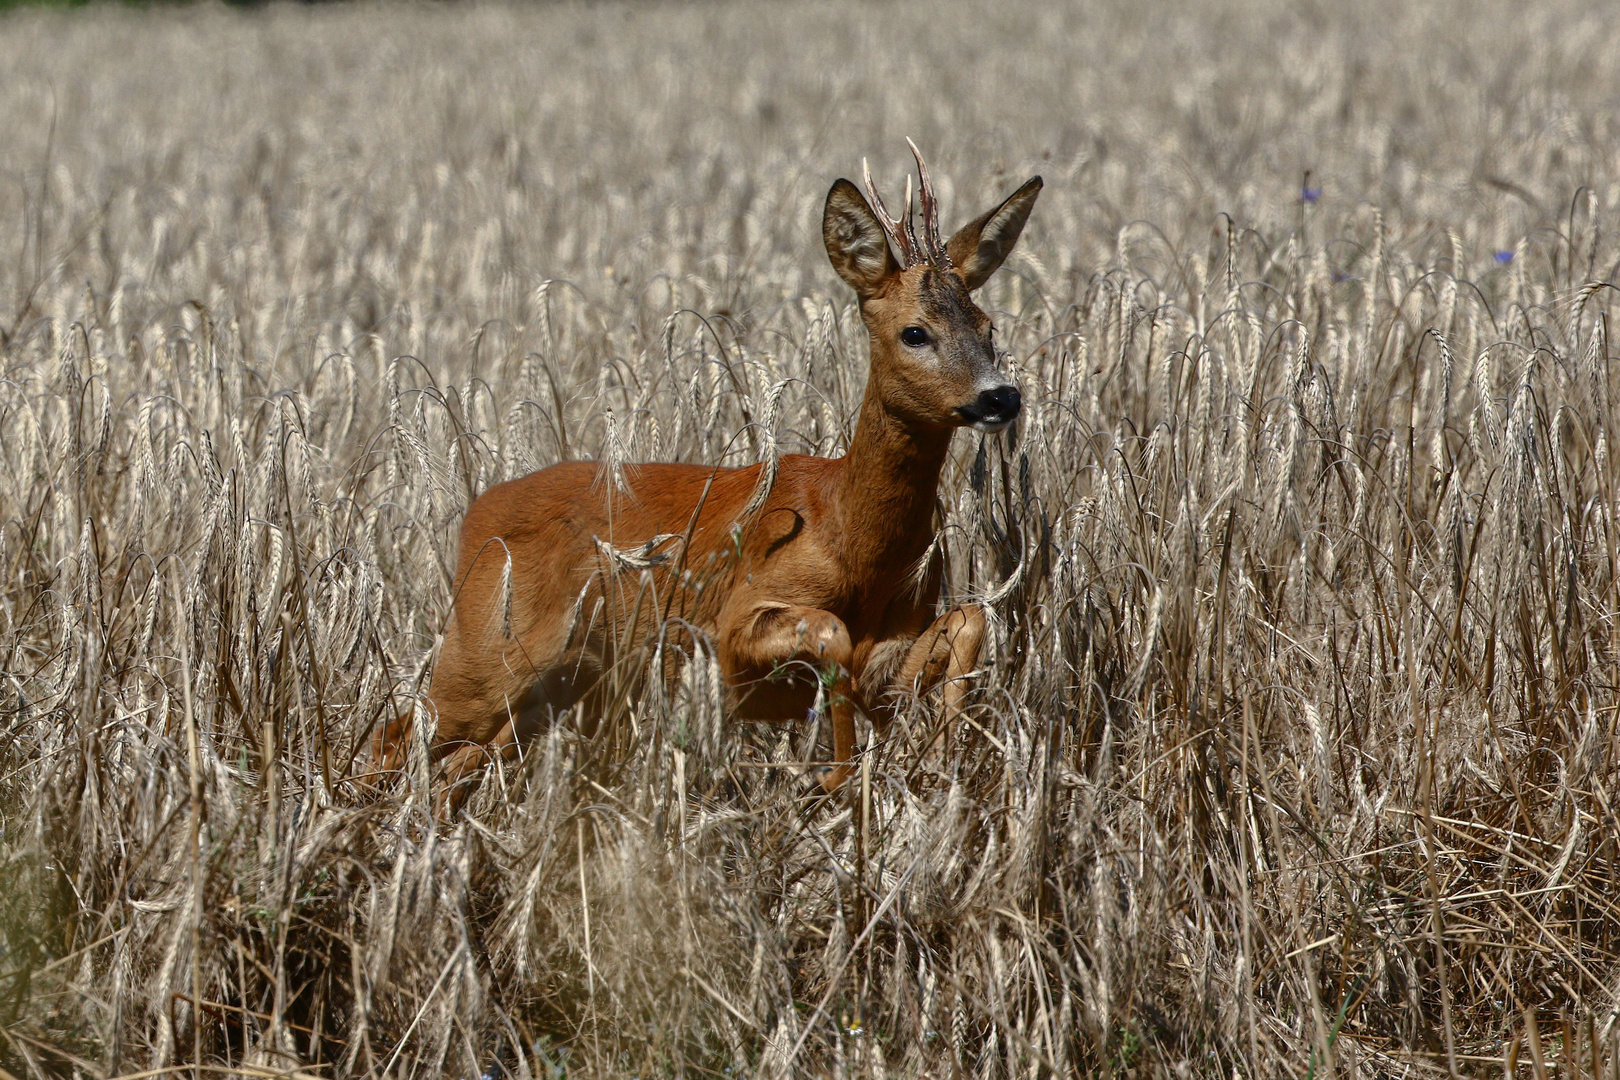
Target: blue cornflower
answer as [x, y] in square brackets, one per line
[1504, 256]
[1310, 194]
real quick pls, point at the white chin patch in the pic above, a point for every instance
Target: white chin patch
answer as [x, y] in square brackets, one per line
[991, 426]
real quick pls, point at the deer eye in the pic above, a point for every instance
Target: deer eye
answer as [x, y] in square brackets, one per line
[915, 336]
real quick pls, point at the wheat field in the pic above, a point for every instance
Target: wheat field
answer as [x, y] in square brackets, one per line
[1294, 752]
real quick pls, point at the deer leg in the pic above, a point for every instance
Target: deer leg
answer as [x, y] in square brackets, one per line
[770, 636]
[840, 699]
[460, 772]
[470, 723]
[947, 652]
[388, 743]
[462, 760]
[462, 769]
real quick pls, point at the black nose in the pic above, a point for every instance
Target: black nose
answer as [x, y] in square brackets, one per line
[998, 406]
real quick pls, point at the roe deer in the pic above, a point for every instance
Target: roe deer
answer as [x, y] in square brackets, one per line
[807, 581]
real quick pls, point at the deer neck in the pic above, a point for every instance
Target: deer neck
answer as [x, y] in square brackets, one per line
[886, 491]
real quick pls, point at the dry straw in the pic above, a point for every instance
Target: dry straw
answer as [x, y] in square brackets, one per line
[1294, 752]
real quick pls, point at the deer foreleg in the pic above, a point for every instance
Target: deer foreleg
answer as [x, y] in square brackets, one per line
[840, 698]
[770, 637]
[946, 653]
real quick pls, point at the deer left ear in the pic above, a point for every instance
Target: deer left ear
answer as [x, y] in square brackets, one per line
[986, 241]
[856, 242]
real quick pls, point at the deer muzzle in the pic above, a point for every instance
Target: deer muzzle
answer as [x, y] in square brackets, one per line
[995, 408]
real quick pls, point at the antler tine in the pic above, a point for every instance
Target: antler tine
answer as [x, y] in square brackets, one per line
[919, 253]
[908, 249]
[930, 212]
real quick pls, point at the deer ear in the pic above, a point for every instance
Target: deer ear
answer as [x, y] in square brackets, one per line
[856, 242]
[988, 239]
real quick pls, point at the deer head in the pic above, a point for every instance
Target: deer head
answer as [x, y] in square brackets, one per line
[933, 360]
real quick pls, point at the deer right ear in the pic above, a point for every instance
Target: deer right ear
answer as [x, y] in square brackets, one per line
[856, 242]
[988, 239]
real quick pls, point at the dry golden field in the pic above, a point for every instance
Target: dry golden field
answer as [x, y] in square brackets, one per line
[1295, 753]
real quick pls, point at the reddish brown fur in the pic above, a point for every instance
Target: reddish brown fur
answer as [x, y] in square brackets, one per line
[825, 576]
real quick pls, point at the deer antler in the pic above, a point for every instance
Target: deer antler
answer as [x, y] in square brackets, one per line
[930, 213]
[902, 237]
[930, 249]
